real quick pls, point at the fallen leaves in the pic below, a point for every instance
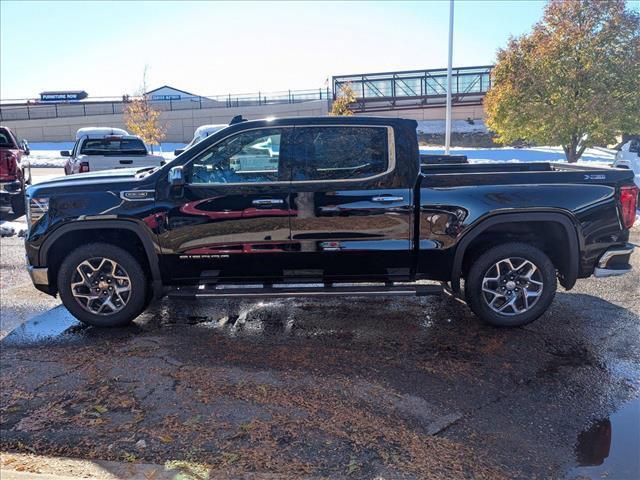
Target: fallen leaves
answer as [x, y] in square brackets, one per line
[353, 466]
[100, 409]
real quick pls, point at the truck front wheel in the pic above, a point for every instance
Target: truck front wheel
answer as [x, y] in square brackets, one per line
[511, 284]
[102, 285]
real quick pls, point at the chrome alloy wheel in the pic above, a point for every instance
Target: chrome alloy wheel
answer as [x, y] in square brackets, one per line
[512, 286]
[101, 286]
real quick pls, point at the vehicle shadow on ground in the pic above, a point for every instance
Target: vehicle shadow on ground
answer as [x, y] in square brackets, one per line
[392, 387]
[9, 216]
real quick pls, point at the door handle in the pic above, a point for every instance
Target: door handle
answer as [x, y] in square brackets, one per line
[387, 199]
[268, 201]
[126, 162]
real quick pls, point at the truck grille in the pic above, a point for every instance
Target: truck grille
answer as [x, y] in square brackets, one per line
[37, 207]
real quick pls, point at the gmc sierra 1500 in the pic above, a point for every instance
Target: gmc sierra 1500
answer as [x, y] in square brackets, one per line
[326, 206]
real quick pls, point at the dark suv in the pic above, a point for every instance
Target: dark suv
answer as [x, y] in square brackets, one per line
[326, 206]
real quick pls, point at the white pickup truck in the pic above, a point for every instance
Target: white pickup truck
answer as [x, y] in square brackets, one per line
[200, 134]
[105, 149]
[629, 157]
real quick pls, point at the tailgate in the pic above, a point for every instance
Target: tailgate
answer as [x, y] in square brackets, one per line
[109, 162]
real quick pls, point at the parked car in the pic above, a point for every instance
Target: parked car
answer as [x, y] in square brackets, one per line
[200, 134]
[629, 157]
[345, 209]
[15, 172]
[99, 149]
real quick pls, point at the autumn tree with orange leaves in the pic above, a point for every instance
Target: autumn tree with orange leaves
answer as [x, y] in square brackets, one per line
[143, 120]
[345, 97]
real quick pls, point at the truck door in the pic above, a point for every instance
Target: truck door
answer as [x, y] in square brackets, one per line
[231, 221]
[350, 214]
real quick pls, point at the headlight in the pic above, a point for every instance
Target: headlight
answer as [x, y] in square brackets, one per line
[37, 208]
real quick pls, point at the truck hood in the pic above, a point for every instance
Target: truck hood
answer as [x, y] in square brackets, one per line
[117, 179]
[114, 174]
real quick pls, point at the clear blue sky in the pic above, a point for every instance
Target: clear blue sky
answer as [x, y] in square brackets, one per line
[216, 47]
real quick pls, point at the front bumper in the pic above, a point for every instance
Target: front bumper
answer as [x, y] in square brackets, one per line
[8, 190]
[40, 278]
[615, 262]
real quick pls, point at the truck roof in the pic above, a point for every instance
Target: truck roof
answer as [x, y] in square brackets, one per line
[329, 120]
[100, 132]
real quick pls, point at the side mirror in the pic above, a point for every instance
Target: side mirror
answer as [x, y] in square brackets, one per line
[634, 147]
[176, 177]
[178, 151]
[24, 146]
[65, 153]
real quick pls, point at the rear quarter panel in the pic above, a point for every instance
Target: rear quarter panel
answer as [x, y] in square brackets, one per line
[447, 214]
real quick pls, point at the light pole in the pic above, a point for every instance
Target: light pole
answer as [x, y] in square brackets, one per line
[447, 134]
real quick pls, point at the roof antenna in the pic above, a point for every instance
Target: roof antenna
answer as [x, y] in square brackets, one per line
[237, 119]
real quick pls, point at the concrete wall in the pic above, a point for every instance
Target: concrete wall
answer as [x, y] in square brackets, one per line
[459, 112]
[180, 123]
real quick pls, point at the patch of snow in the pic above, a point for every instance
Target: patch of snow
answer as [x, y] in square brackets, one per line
[170, 147]
[46, 159]
[457, 126]
[592, 156]
[167, 149]
[9, 229]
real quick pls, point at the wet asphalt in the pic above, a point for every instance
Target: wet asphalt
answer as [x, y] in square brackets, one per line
[340, 388]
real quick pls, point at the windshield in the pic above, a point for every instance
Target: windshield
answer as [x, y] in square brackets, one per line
[113, 146]
[5, 139]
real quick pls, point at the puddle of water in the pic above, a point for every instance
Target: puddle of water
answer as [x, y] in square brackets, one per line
[47, 326]
[610, 447]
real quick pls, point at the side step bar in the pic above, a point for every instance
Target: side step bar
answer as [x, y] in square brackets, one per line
[306, 290]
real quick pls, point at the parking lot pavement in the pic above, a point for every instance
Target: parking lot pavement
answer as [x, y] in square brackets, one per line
[357, 388]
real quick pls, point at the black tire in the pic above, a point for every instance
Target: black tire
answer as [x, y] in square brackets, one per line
[485, 266]
[17, 205]
[136, 300]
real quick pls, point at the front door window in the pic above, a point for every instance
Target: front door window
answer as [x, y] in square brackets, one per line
[249, 157]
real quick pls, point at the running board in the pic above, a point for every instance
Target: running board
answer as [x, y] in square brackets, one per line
[234, 291]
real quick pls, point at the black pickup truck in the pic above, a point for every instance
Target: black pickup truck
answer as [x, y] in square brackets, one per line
[326, 206]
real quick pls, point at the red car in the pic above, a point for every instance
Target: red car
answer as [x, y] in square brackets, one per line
[15, 174]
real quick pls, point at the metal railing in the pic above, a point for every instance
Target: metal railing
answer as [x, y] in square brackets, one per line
[415, 88]
[28, 109]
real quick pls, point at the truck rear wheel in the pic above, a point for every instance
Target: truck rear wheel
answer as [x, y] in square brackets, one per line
[511, 284]
[102, 285]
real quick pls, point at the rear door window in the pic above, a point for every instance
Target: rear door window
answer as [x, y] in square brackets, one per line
[111, 146]
[340, 153]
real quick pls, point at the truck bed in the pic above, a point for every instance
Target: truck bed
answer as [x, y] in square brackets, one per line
[501, 173]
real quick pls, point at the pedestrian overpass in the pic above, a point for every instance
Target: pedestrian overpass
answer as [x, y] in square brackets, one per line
[415, 89]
